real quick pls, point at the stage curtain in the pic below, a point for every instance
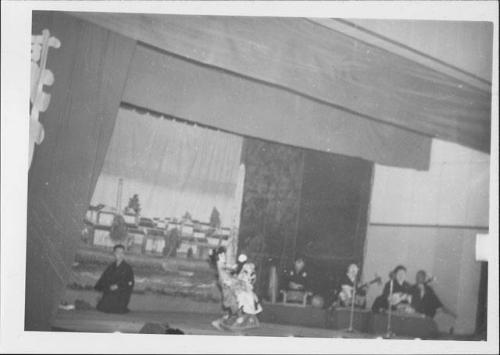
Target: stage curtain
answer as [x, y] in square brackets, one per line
[309, 59]
[174, 167]
[180, 88]
[90, 70]
[270, 211]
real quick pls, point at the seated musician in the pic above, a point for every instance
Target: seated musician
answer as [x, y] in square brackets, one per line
[397, 293]
[347, 284]
[297, 278]
[424, 299]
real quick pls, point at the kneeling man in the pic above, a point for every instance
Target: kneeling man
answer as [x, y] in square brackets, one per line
[116, 284]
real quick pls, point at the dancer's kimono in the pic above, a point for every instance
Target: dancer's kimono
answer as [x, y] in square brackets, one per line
[238, 299]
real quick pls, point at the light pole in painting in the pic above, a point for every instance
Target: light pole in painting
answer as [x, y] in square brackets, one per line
[119, 193]
[236, 215]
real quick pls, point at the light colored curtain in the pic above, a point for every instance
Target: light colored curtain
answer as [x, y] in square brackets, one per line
[174, 167]
[232, 248]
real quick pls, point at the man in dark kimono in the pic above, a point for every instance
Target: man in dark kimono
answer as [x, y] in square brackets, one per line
[297, 278]
[424, 299]
[116, 284]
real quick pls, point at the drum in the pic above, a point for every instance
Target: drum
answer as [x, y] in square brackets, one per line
[317, 301]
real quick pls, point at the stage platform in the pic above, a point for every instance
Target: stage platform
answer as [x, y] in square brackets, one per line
[190, 323]
[364, 321]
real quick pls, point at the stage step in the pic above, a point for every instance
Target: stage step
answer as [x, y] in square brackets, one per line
[190, 323]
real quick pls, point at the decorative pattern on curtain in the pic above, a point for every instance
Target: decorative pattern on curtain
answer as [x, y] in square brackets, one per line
[91, 69]
[174, 167]
[271, 205]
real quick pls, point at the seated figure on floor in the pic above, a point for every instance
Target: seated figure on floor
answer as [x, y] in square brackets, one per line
[239, 302]
[116, 284]
[424, 299]
[397, 293]
[346, 296]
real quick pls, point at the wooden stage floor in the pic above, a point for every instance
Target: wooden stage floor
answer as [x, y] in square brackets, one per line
[189, 322]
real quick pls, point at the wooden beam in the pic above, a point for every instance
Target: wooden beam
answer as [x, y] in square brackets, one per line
[325, 61]
[355, 31]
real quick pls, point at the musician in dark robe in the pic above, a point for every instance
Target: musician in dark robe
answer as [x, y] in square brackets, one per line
[347, 283]
[116, 284]
[297, 278]
[424, 299]
[401, 292]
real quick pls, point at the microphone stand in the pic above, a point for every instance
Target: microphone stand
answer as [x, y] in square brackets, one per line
[351, 319]
[351, 313]
[389, 334]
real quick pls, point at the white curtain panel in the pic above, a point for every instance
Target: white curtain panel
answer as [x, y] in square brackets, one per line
[173, 166]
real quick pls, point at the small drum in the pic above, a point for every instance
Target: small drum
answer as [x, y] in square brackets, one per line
[317, 301]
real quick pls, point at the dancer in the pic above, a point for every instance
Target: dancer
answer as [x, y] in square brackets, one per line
[239, 303]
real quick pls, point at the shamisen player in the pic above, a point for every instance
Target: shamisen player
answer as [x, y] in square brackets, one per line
[396, 293]
[347, 283]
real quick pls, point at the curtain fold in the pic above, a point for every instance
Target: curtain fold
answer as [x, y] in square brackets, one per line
[174, 167]
[90, 70]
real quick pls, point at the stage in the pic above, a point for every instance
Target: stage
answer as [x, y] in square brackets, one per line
[195, 317]
[191, 323]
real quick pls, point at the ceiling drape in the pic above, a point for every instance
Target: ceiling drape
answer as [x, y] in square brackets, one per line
[187, 90]
[309, 59]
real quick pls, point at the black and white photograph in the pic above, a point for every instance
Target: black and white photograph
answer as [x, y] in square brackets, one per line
[191, 175]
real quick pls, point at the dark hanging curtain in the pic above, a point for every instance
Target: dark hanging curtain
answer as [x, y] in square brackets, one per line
[90, 70]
